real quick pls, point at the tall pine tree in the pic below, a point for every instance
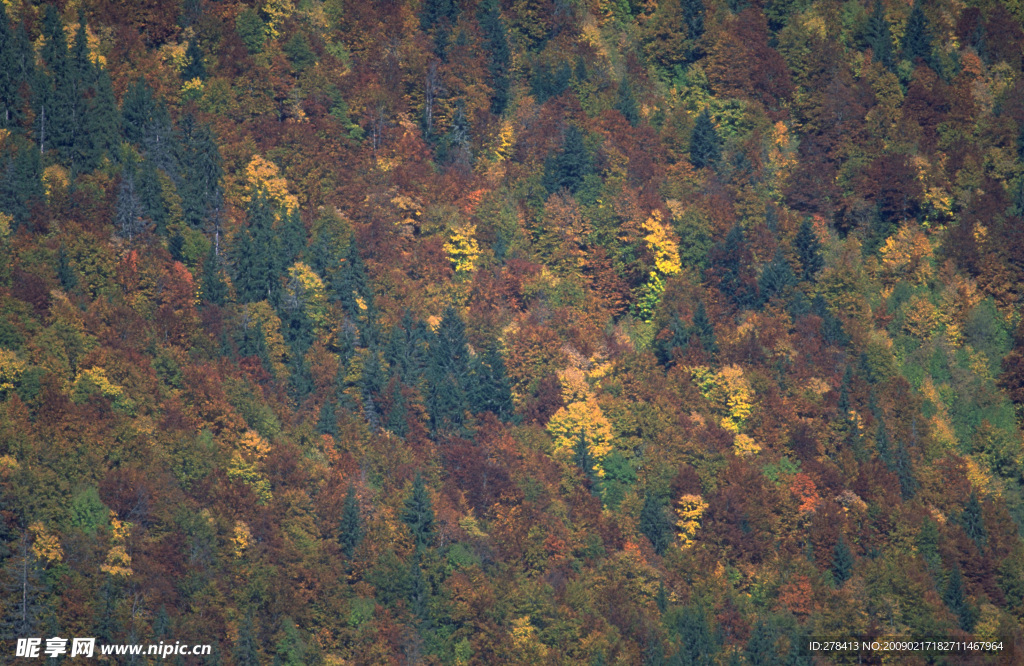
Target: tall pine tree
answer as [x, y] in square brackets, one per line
[705, 144]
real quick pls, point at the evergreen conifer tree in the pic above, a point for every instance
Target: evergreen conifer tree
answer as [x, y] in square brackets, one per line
[398, 412]
[585, 461]
[327, 423]
[194, 67]
[842, 561]
[10, 98]
[698, 644]
[678, 335]
[879, 37]
[626, 103]
[808, 251]
[973, 521]
[904, 471]
[256, 253]
[129, 220]
[418, 514]
[215, 291]
[498, 52]
[570, 166]
[292, 239]
[57, 90]
[202, 165]
[761, 649]
[151, 196]
[955, 598]
[705, 144]
[101, 131]
[917, 39]
[703, 329]
[246, 652]
[654, 524]
[662, 599]
[66, 274]
[162, 623]
[883, 444]
[137, 111]
[928, 544]
[350, 530]
[776, 278]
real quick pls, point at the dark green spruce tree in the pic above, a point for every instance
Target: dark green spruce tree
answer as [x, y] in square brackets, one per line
[704, 330]
[350, 529]
[705, 144]
[955, 598]
[776, 278]
[246, 652]
[842, 561]
[626, 103]
[499, 55]
[808, 251]
[588, 466]
[256, 253]
[215, 290]
[654, 522]
[327, 423]
[418, 514]
[567, 169]
[879, 37]
[917, 39]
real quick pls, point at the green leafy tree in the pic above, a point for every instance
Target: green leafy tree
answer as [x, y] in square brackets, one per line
[290, 650]
[299, 52]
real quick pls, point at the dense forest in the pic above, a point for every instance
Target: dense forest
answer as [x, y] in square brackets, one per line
[512, 331]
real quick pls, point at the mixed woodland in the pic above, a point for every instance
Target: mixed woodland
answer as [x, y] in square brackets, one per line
[512, 331]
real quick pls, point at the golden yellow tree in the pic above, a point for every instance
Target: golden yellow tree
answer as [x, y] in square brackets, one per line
[463, 249]
[262, 174]
[689, 510]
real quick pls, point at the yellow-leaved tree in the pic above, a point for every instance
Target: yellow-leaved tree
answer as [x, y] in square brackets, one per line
[689, 510]
[305, 290]
[581, 418]
[262, 174]
[729, 394]
[118, 562]
[463, 249]
[45, 545]
[665, 250]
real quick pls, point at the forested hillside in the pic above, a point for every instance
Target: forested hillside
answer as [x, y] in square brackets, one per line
[512, 331]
